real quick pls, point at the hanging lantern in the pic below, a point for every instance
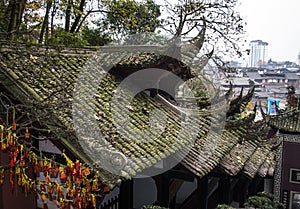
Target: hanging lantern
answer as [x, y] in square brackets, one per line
[3, 146]
[27, 134]
[1, 175]
[86, 172]
[11, 139]
[75, 177]
[62, 174]
[95, 185]
[43, 196]
[13, 126]
[11, 160]
[50, 190]
[93, 201]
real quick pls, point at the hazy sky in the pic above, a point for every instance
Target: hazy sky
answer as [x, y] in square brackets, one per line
[276, 22]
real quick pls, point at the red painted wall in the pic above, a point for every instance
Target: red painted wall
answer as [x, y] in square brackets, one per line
[290, 160]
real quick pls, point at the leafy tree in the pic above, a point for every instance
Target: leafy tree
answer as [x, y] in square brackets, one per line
[219, 19]
[214, 22]
[224, 206]
[115, 17]
[153, 207]
[95, 37]
[72, 13]
[130, 17]
[63, 38]
[19, 18]
[264, 200]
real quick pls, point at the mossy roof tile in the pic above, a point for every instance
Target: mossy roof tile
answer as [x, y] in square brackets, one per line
[49, 79]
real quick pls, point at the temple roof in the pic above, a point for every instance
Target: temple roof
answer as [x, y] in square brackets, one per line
[46, 80]
[287, 121]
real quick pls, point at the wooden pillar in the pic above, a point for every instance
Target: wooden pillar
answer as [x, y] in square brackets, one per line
[224, 191]
[256, 186]
[126, 195]
[173, 202]
[163, 190]
[202, 189]
[243, 190]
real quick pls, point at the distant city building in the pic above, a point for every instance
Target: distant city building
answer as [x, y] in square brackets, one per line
[283, 66]
[258, 53]
[274, 78]
[299, 58]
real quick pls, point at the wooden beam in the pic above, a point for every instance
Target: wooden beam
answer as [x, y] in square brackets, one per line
[190, 202]
[199, 198]
[181, 175]
[169, 183]
[174, 187]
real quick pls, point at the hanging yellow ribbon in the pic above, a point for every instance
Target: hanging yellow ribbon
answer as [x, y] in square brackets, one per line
[70, 163]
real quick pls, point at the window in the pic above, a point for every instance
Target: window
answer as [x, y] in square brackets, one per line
[295, 175]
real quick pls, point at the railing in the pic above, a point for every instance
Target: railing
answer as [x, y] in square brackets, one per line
[113, 203]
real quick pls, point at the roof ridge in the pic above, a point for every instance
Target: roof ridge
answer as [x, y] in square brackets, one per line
[60, 49]
[10, 46]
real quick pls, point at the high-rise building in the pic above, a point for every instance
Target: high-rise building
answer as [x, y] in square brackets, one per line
[258, 53]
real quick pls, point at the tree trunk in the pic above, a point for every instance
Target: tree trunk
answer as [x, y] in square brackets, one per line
[11, 14]
[45, 22]
[78, 17]
[15, 12]
[68, 16]
[53, 13]
[82, 21]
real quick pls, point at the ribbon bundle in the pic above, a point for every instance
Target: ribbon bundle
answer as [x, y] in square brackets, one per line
[71, 184]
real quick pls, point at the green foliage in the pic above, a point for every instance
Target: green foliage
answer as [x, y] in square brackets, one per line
[153, 207]
[263, 200]
[224, 206]
[251, 83]
[131, 17]
[19, 17]
[94, 37]
[63, 38]
[198, 87]
[45, 21]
